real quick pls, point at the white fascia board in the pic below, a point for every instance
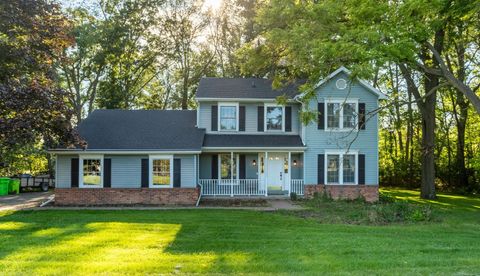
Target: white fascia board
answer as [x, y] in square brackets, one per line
[241, 100]
[254, 149]
[126, 152]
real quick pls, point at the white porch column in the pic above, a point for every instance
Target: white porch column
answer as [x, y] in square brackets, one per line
[266, 173]
[289, 179]
[231, 174]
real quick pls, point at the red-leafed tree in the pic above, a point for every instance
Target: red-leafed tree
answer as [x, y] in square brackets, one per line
[33, 113]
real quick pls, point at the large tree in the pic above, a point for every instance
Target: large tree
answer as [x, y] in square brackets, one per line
[33, 35]
[312, 38]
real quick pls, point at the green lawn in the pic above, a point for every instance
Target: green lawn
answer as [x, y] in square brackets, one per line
[223, 241]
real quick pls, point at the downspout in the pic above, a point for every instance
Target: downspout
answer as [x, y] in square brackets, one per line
[200, 195]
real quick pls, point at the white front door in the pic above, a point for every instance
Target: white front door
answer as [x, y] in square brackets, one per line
[275, 174]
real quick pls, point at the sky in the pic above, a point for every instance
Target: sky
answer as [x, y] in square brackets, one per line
[212, 4]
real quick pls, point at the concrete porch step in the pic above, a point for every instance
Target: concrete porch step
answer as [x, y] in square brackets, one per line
[277, 192]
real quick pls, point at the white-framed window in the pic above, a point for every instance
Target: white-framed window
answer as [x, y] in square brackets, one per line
[341, 114]
[161, 171]
[341, 167]
[228, 169]
[274, 117]
[91, 171]
[228, 116]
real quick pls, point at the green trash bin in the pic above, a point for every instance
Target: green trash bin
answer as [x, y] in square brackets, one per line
[4, 182]
[14, 186]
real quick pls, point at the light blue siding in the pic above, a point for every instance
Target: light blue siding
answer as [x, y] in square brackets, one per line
[205, 166]
[188, 170]
[297, 171]
[318, 141]
[251, 171]
[126, 171]
[251, 118]
[63, 179]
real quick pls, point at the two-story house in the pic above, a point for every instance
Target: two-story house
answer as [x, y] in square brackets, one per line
[239, 142]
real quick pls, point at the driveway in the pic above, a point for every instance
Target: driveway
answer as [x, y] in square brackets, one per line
[23, 200]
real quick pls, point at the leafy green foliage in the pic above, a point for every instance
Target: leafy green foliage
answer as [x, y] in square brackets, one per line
[32, 107]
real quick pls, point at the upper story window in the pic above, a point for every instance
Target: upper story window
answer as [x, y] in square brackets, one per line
[91, 171]
[342, 114]
[228, 117]
[274, 118]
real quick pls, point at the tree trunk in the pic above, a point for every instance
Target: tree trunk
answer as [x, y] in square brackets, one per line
[428, 139]
[461, 121]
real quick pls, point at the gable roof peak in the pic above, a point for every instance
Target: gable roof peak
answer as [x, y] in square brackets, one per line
[364, 83]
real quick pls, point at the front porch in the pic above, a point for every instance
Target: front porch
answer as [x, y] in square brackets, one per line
[251, 173]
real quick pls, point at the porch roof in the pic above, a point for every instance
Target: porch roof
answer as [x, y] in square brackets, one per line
[252, 141]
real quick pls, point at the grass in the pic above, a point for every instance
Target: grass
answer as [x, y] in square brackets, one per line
[233, 241]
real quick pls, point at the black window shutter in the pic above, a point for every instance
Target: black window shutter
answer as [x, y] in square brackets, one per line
[177, 172]
[321, 169]
[214, 166]
[321, 115]
[107, 173]
[361, 169]
[214, 118]
[288, 118]
[260, 116]
[361, 115]
[241, 127]
[74, 172]
[242, 167]
[144, 173]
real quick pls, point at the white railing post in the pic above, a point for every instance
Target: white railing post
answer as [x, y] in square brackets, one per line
[231, 174]
[266, 173]
[289, 173]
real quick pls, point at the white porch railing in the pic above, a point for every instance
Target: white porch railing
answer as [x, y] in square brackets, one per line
[296, 186]
[242, 187]
[227, 187]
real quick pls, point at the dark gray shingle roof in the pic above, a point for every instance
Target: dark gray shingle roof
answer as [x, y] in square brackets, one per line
[254, 88]
[142, 130]
[246, 140]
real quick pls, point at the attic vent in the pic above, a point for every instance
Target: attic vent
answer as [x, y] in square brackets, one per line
[253, 84]
[341, 84]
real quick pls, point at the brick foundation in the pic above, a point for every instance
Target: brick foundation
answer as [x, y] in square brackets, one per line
[369, 192]
[120, 196]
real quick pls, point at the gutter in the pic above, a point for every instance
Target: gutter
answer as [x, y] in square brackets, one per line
[77, 151]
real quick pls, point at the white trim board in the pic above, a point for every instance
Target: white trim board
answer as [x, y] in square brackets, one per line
[123, 152]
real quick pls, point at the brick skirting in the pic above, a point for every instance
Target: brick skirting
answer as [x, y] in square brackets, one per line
[368, 192]
[121, 196]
